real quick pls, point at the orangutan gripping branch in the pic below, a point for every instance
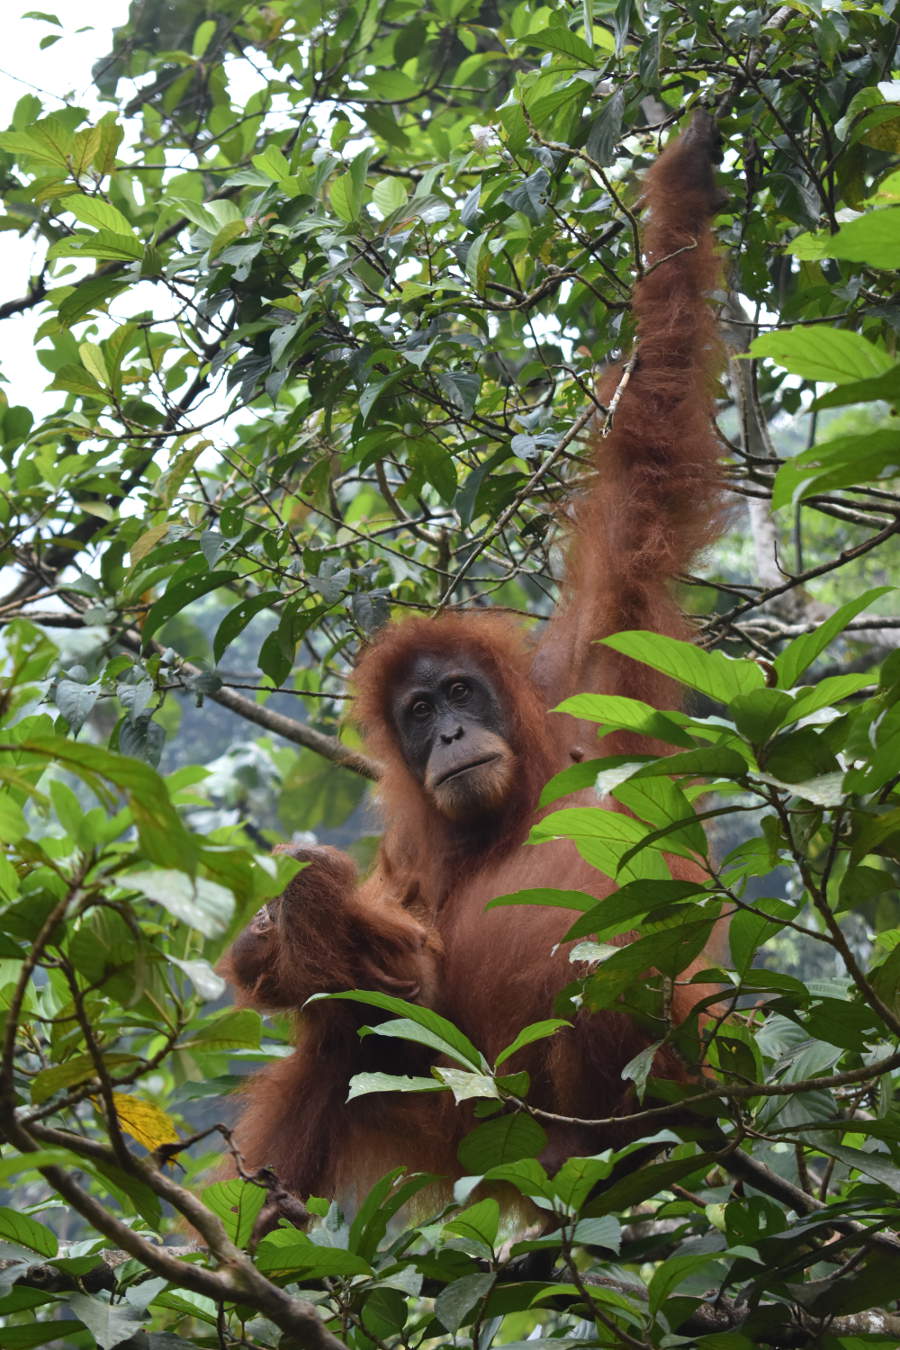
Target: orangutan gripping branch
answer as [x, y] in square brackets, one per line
[455, 709]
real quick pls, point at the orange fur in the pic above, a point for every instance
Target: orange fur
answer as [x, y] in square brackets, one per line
[418, 925]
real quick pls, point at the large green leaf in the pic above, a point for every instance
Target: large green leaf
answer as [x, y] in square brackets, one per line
[201, 904]
[712, 673]
[23, 1231]
[416, 1023]
[502, 1140]
[842, 462]
[873, 239]
[802, 651]
[288, 1252]
[837, 355]
[162, 835]
[602, 838]
[616, 712]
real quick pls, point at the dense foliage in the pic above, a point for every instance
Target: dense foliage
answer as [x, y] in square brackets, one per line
[323, 292]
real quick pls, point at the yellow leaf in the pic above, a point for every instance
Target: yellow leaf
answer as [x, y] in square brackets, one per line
[149, 539]
[87, 143]
[92, 360]
[146, 1123]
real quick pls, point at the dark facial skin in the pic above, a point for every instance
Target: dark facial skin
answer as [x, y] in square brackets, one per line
[452, 730]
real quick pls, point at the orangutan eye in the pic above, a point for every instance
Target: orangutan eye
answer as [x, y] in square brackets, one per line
[420, 709]
[459, 691]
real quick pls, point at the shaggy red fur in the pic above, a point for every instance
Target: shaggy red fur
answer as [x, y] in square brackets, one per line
[418, 925]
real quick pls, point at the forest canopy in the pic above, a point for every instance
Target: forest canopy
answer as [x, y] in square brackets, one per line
[320, 297]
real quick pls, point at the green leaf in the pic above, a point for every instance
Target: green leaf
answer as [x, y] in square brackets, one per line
[616, 712]
[344, 199]
[227, 235]
[504, 1139]
[619, 912]
[478, 261]
[24, 1231]
[178, 597]
[236, 620]
[386, 1197]
[364, 1084]
[457, 1300]
[536, 1031]
[99, 214]
[480, 1221]
[669, 950]
[405, 1029]
[842, 462]
[577, 1177]
[203, 36]
[47, 141]
[675, 826]
[13, 825]
[235, 1029]
[513, 122]
[438, 467]
[466, 1085]
[545, 895]
[110, 1324]
[93, 361]
[462, 388]
[886, 387]
[272, 163]
[559, 39]
[674, 1271]
[163, 837]
[827, 693]
[78, 1069]
[438, 1032]
[200, 215]
[142, 738]
[750, 930]
[602, 838]
[15, 1164]
[76, 380]
[712, 673]
[873, 239]
[105, 245]
[54, 1333]
[639, 1068]
[199, 903]
[837, 355]
[526, 1175]
[802, 651]
[874, 1165]
[238, 1204]
[603, 1232]
[91, 294]
[709, 761]
[287, 1251]
[76, 702]
[606, 129]
[276, 655]
[558, 106]
[758, 716]
[207, 983]
[644, 1182]
[389, 195]
[825, 789]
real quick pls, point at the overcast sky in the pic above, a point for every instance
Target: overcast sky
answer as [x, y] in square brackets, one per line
[64, 68]
[59, 74]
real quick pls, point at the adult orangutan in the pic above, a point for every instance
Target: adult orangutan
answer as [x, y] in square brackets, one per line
[455, 709]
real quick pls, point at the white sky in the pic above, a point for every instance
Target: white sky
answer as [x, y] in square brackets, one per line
[59, 74]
